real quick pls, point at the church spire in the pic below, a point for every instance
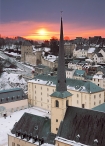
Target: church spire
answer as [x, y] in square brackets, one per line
[61, 76]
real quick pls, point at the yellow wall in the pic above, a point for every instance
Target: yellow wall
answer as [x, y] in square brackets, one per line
[18, 141]
[39, 95]
[14, 106]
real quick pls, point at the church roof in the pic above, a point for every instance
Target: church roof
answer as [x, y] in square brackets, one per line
[83, 126]
[31, 125]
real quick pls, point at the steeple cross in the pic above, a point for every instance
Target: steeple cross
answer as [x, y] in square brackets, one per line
[61, 13]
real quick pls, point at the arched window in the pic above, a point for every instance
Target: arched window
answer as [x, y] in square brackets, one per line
[57, 103]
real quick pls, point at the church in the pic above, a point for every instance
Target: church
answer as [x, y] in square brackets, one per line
[68, 126]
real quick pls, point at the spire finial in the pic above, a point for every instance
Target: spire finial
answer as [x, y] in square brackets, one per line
[61, 13]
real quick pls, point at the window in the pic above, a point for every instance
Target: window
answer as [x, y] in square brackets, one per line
[94, 103]
[57, 103]
[41, 88]
[56, 120]
[47, 100]
[13, 144]
[94, 96]
[18, 144]
[56, 129]
[94, 79]
[100, 95]
[67, 103]
[77, 101]
[77, 95]
[98, 80]
[41, 93]
[99, 101]
[47, 89]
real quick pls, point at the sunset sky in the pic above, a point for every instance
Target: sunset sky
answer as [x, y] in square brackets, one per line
[40, 19]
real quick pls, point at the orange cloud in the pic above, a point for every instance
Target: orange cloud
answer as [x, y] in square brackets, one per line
[29, 29]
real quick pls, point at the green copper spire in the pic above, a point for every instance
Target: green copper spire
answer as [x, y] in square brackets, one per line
[61, 76]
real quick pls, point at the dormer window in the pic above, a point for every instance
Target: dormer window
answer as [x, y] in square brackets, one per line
[95, 142]
[36, 127]
[78, 138]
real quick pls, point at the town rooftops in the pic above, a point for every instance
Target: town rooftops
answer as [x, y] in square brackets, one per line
[99, 55]
[11, 95]
[83, 126]
[79, 73]
[36, 128]
[72, 84]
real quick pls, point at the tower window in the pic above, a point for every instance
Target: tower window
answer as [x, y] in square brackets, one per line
[67, 103]
[56, 120]
[57, 103]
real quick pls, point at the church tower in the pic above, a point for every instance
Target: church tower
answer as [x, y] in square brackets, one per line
[61, 98]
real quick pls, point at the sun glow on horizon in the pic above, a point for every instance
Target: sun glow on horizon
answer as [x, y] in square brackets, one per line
[42, 32]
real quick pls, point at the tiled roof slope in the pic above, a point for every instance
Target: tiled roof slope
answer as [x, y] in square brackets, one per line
[100, 108]
[72, 84]
[33, 125]
[88, 124]
[79, 73]
[12, 95]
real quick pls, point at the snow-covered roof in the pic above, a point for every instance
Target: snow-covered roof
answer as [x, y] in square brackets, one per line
[89, 60]
[69, 142]
[98, 76]
[50, 58]
[91, 50]
[46, 49]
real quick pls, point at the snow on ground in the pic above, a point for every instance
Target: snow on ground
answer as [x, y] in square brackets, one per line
[12, 80]
[12, 69]
[30, 67]
[1, 57]
[7, 124]
[13, 54]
